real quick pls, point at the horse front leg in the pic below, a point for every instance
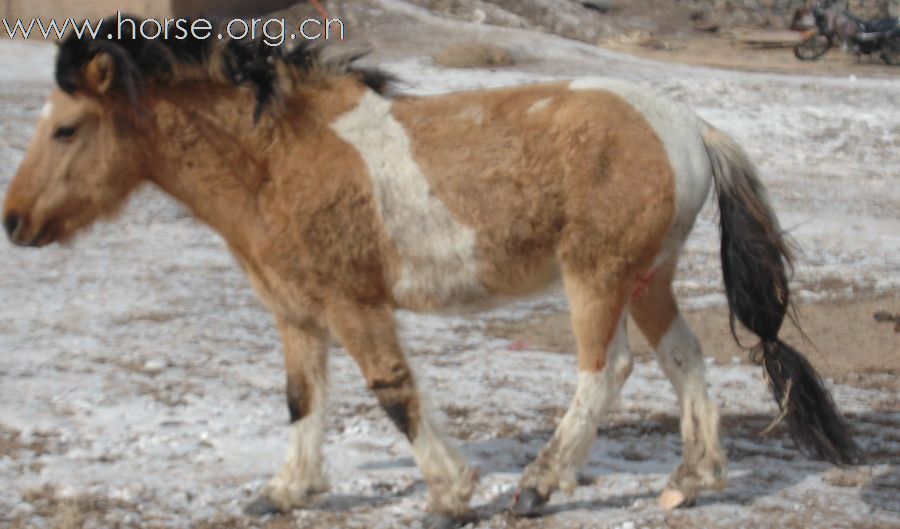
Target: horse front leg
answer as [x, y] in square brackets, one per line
[370, 336]
[302, 476]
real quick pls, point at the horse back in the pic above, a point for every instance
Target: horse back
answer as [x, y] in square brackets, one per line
[487, 194]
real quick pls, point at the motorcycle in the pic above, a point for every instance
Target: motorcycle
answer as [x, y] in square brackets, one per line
[832, 25]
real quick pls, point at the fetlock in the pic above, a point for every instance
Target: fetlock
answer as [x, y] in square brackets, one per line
[450, 496]
[290, 491]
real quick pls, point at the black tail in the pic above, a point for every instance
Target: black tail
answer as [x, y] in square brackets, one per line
[755, 260]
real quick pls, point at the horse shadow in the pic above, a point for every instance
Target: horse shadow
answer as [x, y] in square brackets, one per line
[882, 492]
[341, 503]
[758, 466]
[881, 487]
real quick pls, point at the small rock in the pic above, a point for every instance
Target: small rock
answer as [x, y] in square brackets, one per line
[706, 25]
[633, 454]
[154, 366]
[22, 510]
[847, 478]
[652, 42]
[474, 55]
[604, 6]
[882, 316]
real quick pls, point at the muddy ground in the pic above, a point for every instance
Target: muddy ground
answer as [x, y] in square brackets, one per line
[852, 341]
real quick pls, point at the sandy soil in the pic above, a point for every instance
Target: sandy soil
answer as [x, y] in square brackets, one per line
[141, 382]
[845, 341]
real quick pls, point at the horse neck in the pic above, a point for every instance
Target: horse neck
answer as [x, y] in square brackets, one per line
[215, 159]
[211, 157]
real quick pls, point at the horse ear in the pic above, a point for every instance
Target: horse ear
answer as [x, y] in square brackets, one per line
[100, 73]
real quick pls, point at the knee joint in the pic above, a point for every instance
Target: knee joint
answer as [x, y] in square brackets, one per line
[399, 400]
[299, 400]
[622, 367]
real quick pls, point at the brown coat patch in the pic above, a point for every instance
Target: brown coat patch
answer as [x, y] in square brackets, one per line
[543, 171]
[551, 177]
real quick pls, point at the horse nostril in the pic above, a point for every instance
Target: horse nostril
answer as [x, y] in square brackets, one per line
[11, 222]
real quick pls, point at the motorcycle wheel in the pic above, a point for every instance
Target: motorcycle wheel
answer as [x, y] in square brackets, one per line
[890, 51]
[813, 47]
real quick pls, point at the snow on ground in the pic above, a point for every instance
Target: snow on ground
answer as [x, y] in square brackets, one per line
[139, 368]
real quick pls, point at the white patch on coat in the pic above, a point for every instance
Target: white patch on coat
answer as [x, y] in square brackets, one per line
[438, 267]
[680, 131]
[539, 105]
[47, 110]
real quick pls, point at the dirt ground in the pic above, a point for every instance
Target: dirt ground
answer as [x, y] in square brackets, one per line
[727, 51]
[843, 338]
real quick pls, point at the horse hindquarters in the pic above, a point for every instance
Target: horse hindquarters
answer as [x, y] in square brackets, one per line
[621, 211]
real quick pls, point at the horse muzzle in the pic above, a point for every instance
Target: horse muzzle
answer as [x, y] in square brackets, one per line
[17, 229]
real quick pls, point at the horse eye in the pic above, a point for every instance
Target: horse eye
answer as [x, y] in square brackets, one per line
[64, 133]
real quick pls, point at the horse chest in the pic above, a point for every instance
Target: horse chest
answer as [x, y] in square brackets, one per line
[282, 295]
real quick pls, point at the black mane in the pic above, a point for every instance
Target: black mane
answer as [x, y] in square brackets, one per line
[138, 61]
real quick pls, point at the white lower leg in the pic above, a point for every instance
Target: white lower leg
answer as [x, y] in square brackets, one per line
[302, 474]
[450, 480]
[704, 462]
[567, 451]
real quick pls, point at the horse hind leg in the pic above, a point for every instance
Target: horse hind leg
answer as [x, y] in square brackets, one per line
[604, 363]
[679, 353]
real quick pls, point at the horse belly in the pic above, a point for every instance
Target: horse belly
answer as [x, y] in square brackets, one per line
[458, 269]
[423, 290]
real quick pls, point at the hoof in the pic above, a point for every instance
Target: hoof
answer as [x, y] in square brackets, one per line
[443, 521]
[672, 499]
[528, 502]
[262, 506]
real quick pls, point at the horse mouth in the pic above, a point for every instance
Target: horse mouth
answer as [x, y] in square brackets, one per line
[44, 237]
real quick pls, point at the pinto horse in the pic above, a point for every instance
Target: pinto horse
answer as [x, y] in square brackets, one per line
[343, 203]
